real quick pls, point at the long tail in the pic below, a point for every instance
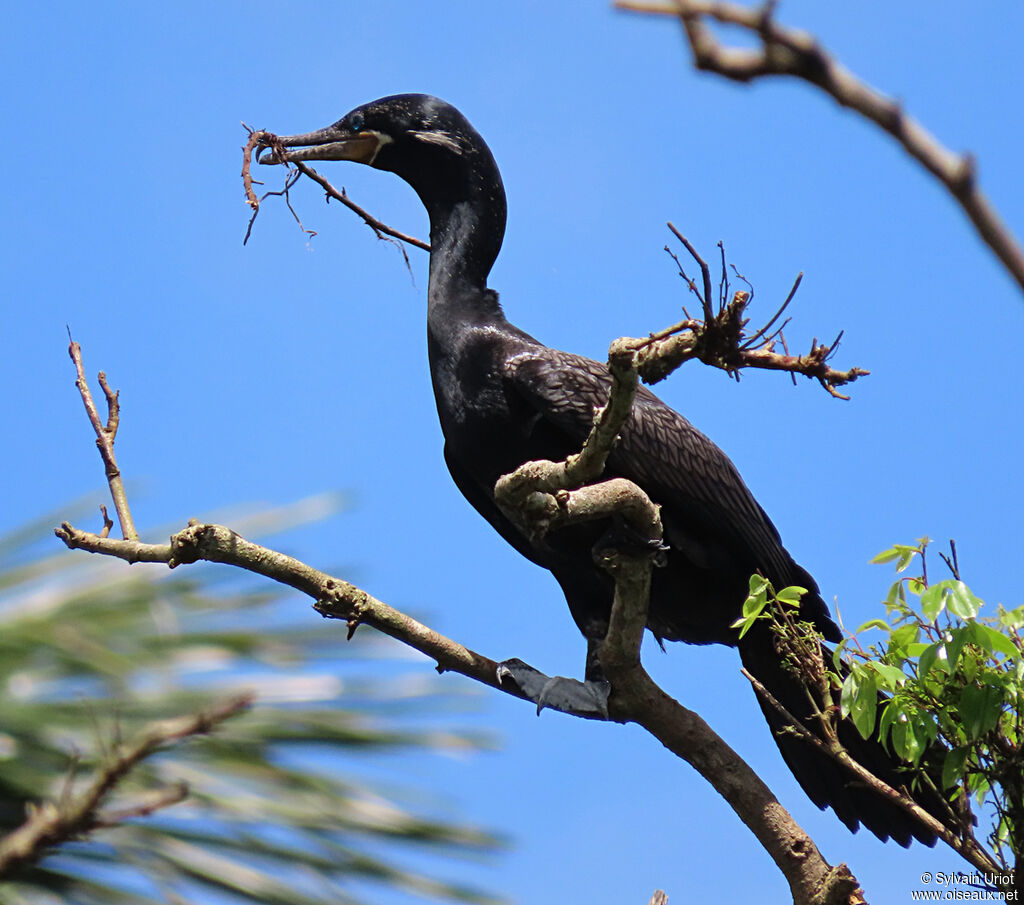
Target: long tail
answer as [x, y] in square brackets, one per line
[824, 780]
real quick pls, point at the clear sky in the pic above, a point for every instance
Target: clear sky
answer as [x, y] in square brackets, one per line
[292, 366]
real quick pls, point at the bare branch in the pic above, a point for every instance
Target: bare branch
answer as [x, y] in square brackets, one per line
[704, 270]
[761, 333]
[247, 181]
[52, 823]
[142, 806]
[335, 598]
[789, 52]
[105, 435]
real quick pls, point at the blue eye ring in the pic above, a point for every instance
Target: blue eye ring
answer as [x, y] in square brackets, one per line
[356, 123]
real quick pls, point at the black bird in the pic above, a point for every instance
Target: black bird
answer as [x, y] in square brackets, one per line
[504, 398]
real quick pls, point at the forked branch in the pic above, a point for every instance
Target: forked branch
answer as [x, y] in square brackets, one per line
[105, 436]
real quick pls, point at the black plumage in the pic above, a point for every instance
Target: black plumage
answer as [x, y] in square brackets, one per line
[504, 398]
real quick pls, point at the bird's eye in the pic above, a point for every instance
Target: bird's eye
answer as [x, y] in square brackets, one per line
[356, 123]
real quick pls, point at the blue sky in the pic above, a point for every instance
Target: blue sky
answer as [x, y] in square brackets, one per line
[291, 366]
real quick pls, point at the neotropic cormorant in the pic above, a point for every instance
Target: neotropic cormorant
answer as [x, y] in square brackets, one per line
[504, 398]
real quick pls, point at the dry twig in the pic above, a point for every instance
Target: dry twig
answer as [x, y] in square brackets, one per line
[260, 138]
[789, 52]
[105, 436]
[720, 339]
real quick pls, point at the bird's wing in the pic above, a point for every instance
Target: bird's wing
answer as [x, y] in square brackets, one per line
[709, 513]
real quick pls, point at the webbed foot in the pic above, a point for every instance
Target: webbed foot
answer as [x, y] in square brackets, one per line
[586, 699]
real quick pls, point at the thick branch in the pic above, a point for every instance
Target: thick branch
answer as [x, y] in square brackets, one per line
[788, 52]
[685, 734]
[542, 495]
[52, 823]
[334, 597]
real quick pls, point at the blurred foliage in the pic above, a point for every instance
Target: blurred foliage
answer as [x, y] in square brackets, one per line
[281, 809]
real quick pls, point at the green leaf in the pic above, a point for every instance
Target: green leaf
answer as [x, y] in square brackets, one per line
[902, 638]
[890, 677]
[758, 585]
[915, 586]
[962, 603]
[859, 699]
[754, 605]
[953, 767]
[906, 740]
[933, 602]
[905, 558]
[1013, 618]
[901, 553]
[955, 640]
[837, 655]
[896, 599]
[980, 709]
[978, 783]
[934, 655]
[969, 665]
[791, 595]
[993, 640]
[890, 713]
[873, 623]
[911, 734]
[851, 686]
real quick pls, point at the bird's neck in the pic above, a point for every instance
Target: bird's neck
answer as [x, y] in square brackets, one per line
[464, 241]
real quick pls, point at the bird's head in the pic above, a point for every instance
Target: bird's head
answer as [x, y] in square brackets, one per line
[432, 146]
[426, 141]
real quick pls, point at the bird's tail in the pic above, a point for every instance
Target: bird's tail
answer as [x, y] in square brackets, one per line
[826, 782]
